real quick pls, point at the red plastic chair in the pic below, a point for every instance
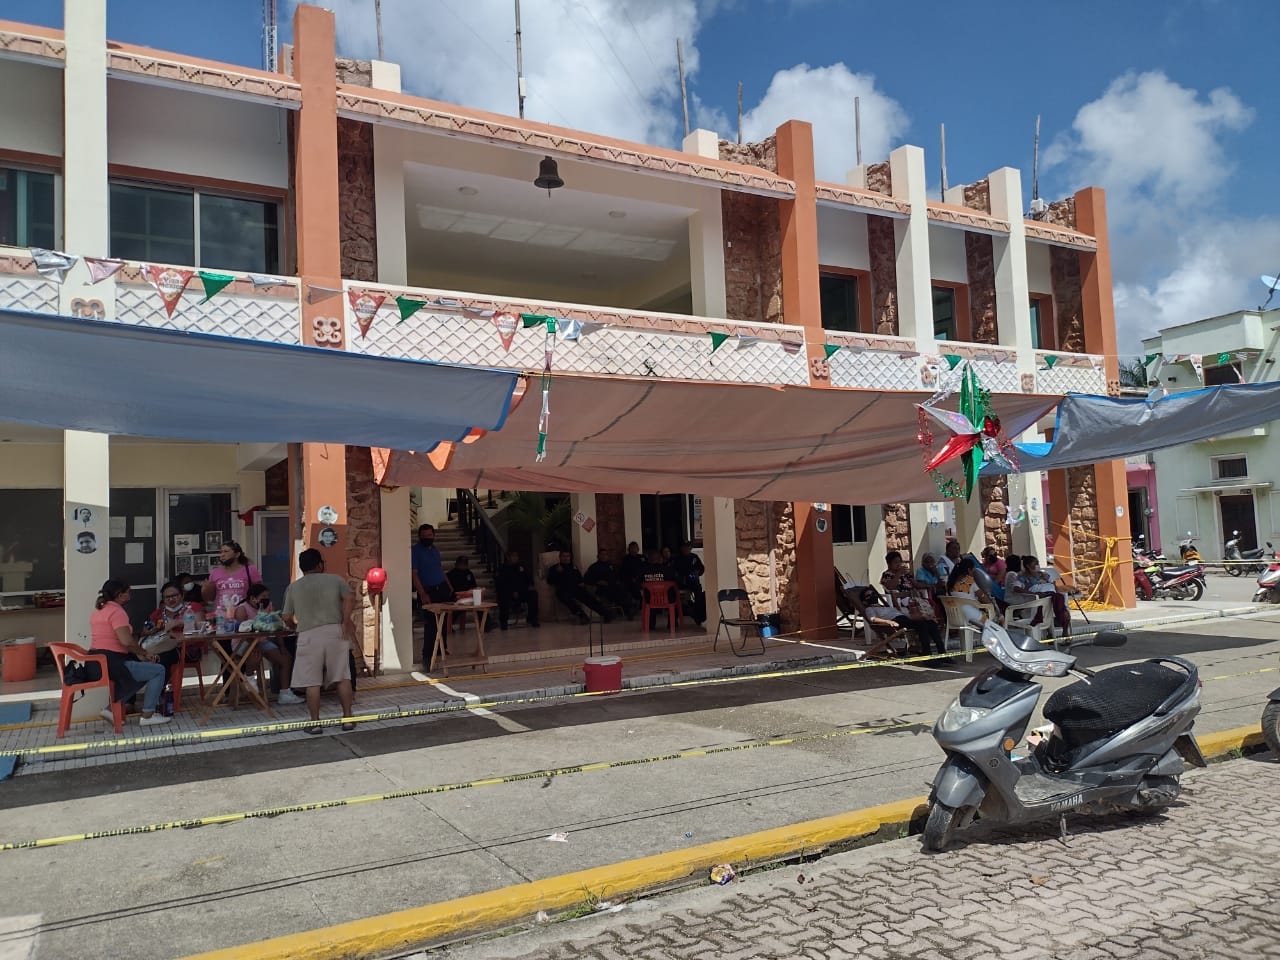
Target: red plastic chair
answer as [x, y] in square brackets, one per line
[178, 672]
[62, 652]
[660, 595]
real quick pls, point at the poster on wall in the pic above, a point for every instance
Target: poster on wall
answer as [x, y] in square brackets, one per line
[696, 522]
[185, 544]
[200, 565]
[118, 529]
[142, 528]
[181, 565]
[212, 541]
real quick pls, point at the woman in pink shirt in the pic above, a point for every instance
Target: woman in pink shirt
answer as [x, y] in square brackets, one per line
[228, 585]
[128, 665]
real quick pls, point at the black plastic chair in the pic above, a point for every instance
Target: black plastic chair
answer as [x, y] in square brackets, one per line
[749, 622]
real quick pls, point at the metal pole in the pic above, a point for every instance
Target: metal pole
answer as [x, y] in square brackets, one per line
[739, 111]
[377, 16]
[942, 127]
[684, 98]
[519, 64]
[857, 127]
[1035, 163]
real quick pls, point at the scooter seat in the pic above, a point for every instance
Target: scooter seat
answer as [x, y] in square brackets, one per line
[1168, 573]
[1110, 701]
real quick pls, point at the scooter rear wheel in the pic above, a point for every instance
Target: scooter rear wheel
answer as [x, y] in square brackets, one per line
[1271, 727]
[940, 829]
[1234, 570]
[1195, 591]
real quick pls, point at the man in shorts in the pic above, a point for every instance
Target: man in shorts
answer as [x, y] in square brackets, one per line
[319, 606]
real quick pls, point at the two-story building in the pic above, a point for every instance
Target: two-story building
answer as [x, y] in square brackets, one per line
[1214, 487]
[738, 352]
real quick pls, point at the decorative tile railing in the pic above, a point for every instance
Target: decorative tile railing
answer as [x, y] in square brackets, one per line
[22, 288]
[271, 313]
[464, 328]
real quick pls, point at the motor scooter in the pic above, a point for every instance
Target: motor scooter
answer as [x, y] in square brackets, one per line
[1155, 581]
[1269, 583]
[1188, 550]
[1237, 561]
[1121, 738]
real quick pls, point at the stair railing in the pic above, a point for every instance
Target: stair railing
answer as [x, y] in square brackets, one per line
[488, 540]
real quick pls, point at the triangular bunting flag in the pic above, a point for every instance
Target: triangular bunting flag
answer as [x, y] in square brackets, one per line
[746, 342]
[260, 280]
[829, 349]
[536, 320]
[1224, 359]
[52, 263]
[214, 282]
[1049, 361]
[791, 346]
[319, 294]
[717, 341]
[170, 282]
[1197, 363]
[365, 306]
[408, 307]
[1149, 359]
[507, 324]
[100, 269]
[952, 360]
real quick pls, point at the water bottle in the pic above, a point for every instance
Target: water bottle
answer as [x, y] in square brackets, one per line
[189, 622]
[166, 702]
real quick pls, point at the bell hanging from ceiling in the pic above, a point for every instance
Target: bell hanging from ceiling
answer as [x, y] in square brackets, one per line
[548, 176]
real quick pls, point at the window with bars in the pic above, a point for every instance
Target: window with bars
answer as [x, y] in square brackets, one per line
[27, 208]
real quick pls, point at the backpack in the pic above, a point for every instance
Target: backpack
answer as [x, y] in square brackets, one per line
[74, 673]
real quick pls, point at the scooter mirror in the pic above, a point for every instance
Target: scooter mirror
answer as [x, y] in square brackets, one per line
[1109, 638]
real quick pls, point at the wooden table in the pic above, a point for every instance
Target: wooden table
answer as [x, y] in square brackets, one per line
[441, 610]
[234, 673]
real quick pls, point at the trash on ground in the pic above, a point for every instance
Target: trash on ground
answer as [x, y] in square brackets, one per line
[542, 917]
[605, 906]
[722, 874]
[688, 834]
[559, 838]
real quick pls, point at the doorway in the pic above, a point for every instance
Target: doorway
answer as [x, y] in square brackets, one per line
[665, 520]
[1238, 514]
[1139, 520]
[275, 549]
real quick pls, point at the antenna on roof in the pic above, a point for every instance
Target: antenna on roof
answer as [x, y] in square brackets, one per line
[269, 31]
[519, 65]
[942, 134]
[684, 97]
[857, 127]
[377, 16]
[739, 111]
[1272, 283]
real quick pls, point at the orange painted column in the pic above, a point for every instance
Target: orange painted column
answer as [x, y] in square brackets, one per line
[1100, 337]
[801, 305]
[323, 465]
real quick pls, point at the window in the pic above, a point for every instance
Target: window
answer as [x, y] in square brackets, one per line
[170, 226]
[1035, 324]
[1042, 334]
[839, 293]
[944, 314]
[26, 209]
[848, 523]
[1224, 374]
[1230, 468]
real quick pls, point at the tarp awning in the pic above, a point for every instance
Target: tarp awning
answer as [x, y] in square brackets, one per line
[120, 379]
[1092, 429]
[718, 439]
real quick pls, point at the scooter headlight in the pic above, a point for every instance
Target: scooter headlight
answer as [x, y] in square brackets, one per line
[957, 716]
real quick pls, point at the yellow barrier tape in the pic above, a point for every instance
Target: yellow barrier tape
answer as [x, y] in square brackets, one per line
[194, 822]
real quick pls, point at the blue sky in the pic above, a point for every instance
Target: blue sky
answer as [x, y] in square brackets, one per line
[1170, 105]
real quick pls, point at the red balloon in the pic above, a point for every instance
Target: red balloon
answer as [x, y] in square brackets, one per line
[376, 579]
[960, 444]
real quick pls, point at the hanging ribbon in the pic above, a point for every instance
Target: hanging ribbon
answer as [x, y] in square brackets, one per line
[214, 283]
[52, 263]
[544, 417]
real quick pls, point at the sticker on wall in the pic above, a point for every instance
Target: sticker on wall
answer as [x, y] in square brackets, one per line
[328, 537]
[185, 544]
[585, 522]
[327, 515]
[82, 515]
[507, 324]
[365, 307]
[86, 542]
[821, 524]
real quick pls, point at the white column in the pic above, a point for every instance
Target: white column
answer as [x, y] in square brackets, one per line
[706, 237]
[1013, 292]
[915, 287]
[585, 545]
[397, 602]
[388, 182]
[969, 527]
[86, 458]
[719, 552]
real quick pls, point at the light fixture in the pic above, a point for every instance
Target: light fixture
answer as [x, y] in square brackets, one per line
[548, 176]
[468, 191]
[617, 214]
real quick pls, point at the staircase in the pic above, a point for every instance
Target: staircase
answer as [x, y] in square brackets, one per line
[452, 542]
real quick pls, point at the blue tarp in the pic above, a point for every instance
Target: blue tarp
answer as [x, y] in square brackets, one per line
[120, 379]
[1091, 429]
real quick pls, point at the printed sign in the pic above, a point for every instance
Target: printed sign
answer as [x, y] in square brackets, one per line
[169, 283]
[365, 307]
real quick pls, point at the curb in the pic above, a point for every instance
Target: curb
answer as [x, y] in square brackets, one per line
[494, 909]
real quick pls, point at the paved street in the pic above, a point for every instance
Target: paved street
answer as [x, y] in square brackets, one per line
[177, 892]
[1203, 881]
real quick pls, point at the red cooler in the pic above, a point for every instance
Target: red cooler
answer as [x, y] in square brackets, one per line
[604, 674]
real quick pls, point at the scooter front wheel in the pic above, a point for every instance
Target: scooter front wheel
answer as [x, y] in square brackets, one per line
[1271, 726]
[1234, 570]
[940, 829]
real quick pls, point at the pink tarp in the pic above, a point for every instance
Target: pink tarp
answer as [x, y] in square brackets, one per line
[726, 440]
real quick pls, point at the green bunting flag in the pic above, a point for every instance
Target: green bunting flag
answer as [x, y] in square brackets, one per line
[717, 341]
[952, 360]
[1149, 359]
[1050, 360]
[830, 348]
[214, 282]
[537, 320]
[408, 307]
[1224, 359]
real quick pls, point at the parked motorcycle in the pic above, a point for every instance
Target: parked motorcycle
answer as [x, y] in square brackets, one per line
[1157, 581]
[1237, 560]
[1269, 583]
[1121, 738]
[1142, 557]
[1188, 550]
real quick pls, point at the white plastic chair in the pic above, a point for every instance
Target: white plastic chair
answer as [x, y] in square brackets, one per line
[958, 620]
[1022, 613]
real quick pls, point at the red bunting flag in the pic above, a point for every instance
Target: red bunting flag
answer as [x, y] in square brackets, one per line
[507, 324]
[365, 307]
[170, 282]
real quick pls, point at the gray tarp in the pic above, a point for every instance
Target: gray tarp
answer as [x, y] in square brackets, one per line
[1092, 429]
[115, 378]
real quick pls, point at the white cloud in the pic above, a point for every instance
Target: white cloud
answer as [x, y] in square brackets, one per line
[824, 96]
[1161, 151]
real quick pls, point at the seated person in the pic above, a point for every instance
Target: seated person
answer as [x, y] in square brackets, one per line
[631, 571]
[655, 571]
[169, 618]
[897, 575]
[516, 589]
[463, 581]
[1038, 581]
[570, 590]
[928, 574]
[259, 601]
[602, 578]
[879, 609]
[689, 569]
[995, 568]
[964, 584]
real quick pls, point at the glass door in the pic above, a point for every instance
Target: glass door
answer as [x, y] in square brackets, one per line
[132, 555]
[197, 523]
[275, 551]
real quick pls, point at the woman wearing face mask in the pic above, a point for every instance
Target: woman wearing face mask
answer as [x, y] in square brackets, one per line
[169, 618]
[259, 601]
[228, 585]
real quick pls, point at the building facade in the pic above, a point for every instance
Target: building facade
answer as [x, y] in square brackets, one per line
[1214, 487]
[343, 213]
